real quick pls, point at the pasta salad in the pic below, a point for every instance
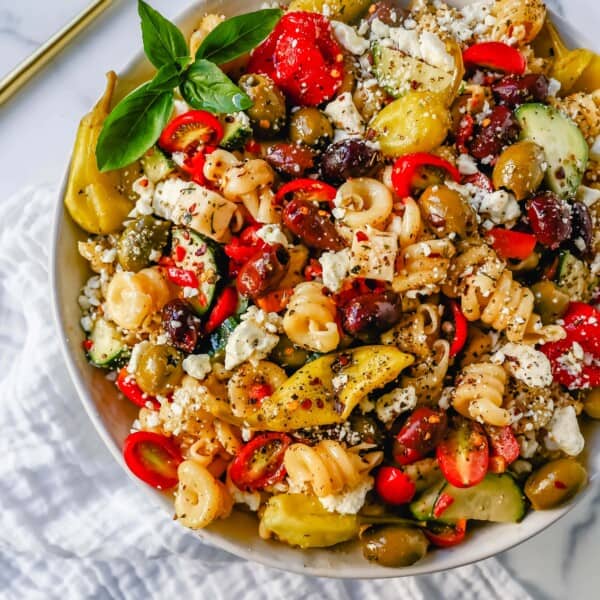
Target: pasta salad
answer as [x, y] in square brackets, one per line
[345, 263]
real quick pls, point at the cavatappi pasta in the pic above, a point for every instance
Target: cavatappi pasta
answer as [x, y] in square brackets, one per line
[374, 285]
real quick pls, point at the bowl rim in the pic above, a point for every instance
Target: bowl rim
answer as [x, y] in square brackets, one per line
[452, 561]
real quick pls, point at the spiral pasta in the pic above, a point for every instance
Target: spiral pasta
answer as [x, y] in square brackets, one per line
[310, 318]
[200, 498]
[326, 468]
[415, 331]
[518, 20]
[406, 222]
[423, 266]
[427, 376]
[132, 297]
[479, 394]
[365, 201]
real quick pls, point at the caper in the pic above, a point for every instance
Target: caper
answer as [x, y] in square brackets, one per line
[286, 354]
[550, 301]
[555, 483]
[268, 111]
[520, 169]
[139, 240]
[591, 404]
[310, 126]
[393, 546]
[446, 212]
[158, 369]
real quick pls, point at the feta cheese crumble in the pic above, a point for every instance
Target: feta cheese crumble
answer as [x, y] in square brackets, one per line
[336, 267]
[197, 365]
[391, 405]
[349, 502]
[564, 433]
[500, 207]
[344, 115]
[349, 38]
[272, 234]
[525, 363]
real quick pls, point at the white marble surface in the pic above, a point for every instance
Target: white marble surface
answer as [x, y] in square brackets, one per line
[37, 129]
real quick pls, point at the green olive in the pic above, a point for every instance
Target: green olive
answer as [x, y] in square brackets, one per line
[310, 126]
[446, 212]
[554, 483]
[286, 354]
[368, 428]
[520, 169]
[268, 112]
[348, 76]
[139, 240]
[158, 370]
[550, 301]
[393, 546]
[591, 404]
[369, 99]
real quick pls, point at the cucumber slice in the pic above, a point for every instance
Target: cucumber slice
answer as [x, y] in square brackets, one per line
[422, 507]
[218, 339]
[156, 165]
[573, 276]
[399, 73]
[194, 252]
[236, 131]
[107, 344]
[566, 150]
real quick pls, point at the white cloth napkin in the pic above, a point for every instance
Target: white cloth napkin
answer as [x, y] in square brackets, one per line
[72, 525]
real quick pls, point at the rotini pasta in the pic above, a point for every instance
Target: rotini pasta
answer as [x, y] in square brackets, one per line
[406, 222]
[416, 331]
[427, 376]
[365, 201]
[518, 21]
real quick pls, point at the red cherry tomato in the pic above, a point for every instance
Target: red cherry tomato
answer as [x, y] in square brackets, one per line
[463, 454]
[496, 56]
[130, 389]
[511, 244]
[421, 433]
[394, 486]
[153, 458]
[445, 536]
[224, 307]
[406, 167]
[460, 329]
[503, 444]
[191, 131]
[306, 189]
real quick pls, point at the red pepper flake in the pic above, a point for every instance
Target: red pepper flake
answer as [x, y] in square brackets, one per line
[180, 253]
[361, 236]
[144, 183]
[320, 403]
[443, 502]
[315, 381]
[306, 404]
[560, 485]
[87, 345]
[259, 392]
[253, 146]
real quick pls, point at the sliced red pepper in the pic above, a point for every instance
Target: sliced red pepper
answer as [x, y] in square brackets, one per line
[496, 56]
[445, 536]
[259, 463]
[313, 270]
[305, 189]
[194, 164]
[132, 391]
[190, 132]
[394, 486]
[503, 444]
[224, 307]
[153, 458]
[239, 252]
[406, 167]
[511, 244]
[182, 277]
[460, 329]
[443, 502]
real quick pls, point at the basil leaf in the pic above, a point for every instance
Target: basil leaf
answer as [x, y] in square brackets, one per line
[133, 126]
[163, 42]
[238, 35]
[206, 87]
[166, 79]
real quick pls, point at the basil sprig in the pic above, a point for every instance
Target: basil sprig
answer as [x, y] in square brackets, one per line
[137, 121]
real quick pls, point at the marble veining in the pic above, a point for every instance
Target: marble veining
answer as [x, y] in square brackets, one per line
[37, 133]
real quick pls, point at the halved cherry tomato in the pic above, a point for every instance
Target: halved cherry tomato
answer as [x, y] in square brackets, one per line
[306, 189]
[445, 536]
[497, 56]
[460, 329]
[511, 244]
[260, 462]
[406, 167]
[463, 454]
[503, 444]
[421, 433]
[224, 307]
[394, 486]
[132, 391]
[153, 458]
[191, 131]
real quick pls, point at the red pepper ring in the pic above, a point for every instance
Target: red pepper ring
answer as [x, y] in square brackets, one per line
[307, 189]
[153, 458]
[191, 131]
[260, 462]
[460, 328]
[406, 166]
[511, 244]
[445, 536]
[224, 307]
[497, 56]
[182, 277]
[131, 390]
[194, 164]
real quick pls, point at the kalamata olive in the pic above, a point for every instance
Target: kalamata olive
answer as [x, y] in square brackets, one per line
[554, 483]
[369, 314]
[581, 226]
[494, 132]
[290, 159]
[312, 225]
[550, 219]
[181, 324]
[385, 12]
[263, 271]
[421, 433]
[517, 89]
[348, 158]
[393, 545]
[158, 370]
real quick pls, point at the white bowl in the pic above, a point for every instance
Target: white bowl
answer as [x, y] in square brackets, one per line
[112, 417]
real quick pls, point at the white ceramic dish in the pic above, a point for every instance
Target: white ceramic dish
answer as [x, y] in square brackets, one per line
[112, 417]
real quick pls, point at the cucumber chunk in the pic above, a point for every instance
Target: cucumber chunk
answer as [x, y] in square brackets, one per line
[236, 131]
[422, 507]
[107, 344]
[573, 276]
[156, 165]
[566, 150]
